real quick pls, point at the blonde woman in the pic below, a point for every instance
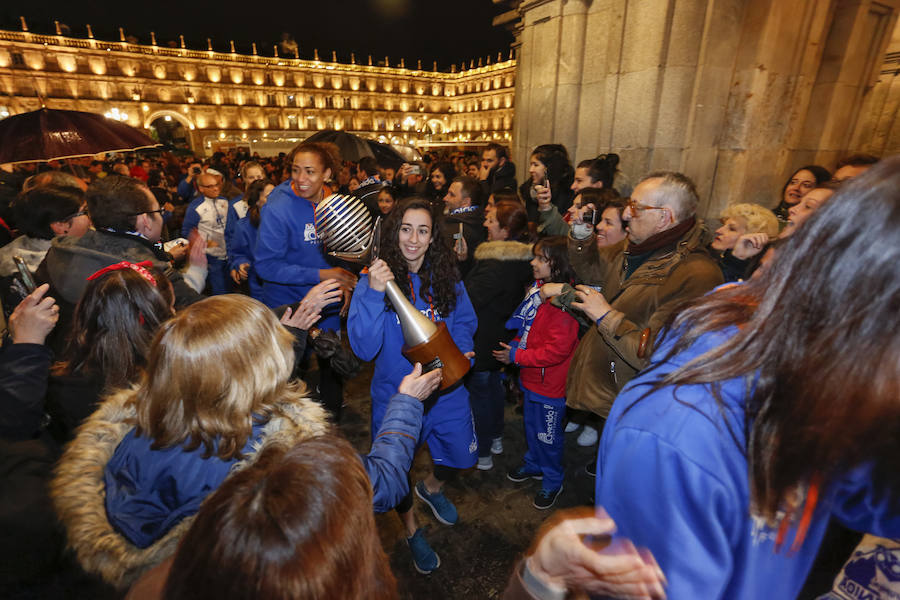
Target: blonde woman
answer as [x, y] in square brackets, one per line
[128, 486]
[746, 229]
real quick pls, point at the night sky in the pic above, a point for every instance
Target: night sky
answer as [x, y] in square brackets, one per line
[445, 31]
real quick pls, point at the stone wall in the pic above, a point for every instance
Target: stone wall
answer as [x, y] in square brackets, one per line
[734, 93]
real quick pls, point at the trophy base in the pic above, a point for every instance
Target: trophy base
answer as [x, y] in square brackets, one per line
[439, 352]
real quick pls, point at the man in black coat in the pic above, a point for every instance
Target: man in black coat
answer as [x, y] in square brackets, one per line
[497, 171]
[464, 213]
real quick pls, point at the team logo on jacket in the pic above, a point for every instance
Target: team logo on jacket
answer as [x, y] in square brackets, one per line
[309, 234]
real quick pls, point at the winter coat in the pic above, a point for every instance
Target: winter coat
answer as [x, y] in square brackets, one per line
[548, 352]
[672, 472]
[502, 178]
[79, 492]
[71, 260]
[496, 283]
[472, 220]
[23, 383]
[608, 355]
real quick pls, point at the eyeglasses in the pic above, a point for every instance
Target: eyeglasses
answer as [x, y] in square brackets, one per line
[637, 207]
[80, 213]
[211, 186]
[158, 211]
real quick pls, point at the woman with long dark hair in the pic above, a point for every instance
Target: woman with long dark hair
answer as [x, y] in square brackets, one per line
[770, 408]
[415, 255]
[440, 177]
[797, 185]
[550, 177]
[114, 322]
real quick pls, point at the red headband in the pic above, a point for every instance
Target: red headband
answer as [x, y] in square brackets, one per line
[140, 268]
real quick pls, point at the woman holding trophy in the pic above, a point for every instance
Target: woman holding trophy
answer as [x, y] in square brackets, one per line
[414, 255]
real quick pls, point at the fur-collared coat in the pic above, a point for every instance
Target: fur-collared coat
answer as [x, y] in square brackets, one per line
[496, 285]
[79, 492]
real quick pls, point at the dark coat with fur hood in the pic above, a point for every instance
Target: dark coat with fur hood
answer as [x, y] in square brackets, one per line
[79, 492]
[496, 285]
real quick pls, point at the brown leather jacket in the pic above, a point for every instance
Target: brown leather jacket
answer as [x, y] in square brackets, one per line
[608, 356]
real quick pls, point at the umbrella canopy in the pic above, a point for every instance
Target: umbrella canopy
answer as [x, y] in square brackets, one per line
[352, 147]
[385, 154]
[48, 134]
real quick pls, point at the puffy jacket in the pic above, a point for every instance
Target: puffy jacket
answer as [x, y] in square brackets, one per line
[548, 352]
[79, 491]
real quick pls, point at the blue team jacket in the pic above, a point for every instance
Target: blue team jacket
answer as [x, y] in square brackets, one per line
[242, 249]
[375, 333]
[288, 253]
[675, 481]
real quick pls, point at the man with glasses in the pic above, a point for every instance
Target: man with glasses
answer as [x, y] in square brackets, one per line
[127, 223]
[632, 289]
[208, 214]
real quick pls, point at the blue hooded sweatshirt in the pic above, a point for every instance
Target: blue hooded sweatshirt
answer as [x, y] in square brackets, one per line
[375, 333]
[674, 479]
[288, 252]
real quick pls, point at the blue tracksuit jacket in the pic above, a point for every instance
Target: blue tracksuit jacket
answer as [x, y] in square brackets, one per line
[675, 481]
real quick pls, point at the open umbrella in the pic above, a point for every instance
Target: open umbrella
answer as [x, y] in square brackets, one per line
[386, 154]
[352, 147]
[48, 134]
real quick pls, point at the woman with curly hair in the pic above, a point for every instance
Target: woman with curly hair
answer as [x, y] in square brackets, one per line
[415, 255]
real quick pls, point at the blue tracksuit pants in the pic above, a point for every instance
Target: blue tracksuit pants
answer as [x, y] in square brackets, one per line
[543, 418]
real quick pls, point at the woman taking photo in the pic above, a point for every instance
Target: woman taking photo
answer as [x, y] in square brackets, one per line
[416, 257]
[289, 257]
[770, 408]
[499, 277]
[551, 177]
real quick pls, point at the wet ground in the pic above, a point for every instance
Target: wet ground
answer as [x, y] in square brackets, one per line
[496, 518]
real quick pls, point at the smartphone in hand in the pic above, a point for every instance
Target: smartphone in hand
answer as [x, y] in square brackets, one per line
[27, 279]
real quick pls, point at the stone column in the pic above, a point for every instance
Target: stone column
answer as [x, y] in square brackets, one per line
[734, 93]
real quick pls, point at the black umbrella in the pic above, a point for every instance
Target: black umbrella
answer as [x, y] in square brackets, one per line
[385, 154]
[47, 134]
[352, 147]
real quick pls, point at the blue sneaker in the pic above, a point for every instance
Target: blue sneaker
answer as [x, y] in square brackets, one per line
[425, 560]
[544, 499]
[443, 509]
[520, 474]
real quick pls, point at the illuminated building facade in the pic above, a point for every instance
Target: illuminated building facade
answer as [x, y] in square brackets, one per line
[208, 100]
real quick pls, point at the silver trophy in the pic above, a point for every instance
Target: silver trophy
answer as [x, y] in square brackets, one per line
[345, 226]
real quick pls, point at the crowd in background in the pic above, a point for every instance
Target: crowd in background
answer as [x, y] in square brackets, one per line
[706, 359]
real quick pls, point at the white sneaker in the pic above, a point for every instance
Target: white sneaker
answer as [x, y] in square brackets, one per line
[485, 463]
[571, 426]
[497, 446]
[588, 437]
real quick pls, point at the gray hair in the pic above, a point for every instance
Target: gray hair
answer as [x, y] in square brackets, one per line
[675, 190]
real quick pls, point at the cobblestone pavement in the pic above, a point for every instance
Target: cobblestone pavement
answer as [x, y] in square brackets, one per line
[497, 520]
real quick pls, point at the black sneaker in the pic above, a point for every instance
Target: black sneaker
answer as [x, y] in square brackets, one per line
[519, 474]
[591, 468]
[544, 499]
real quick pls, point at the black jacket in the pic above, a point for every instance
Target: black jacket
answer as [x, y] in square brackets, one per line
[561, 197]
[473, 232]
[502, 178]
[496, 285]
[71, 260]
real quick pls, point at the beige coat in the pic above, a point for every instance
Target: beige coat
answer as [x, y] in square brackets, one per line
[607, 356]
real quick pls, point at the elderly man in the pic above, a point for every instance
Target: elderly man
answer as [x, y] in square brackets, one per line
[208, 214]
[634, 286]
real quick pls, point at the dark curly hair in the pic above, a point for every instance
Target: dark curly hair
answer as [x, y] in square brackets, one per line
[438, 274]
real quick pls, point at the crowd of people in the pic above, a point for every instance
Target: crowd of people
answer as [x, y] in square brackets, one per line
[739, 381]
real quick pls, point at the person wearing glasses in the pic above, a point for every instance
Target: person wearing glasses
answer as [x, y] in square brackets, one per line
[208, 214]
[127, 223]
[630, 290]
